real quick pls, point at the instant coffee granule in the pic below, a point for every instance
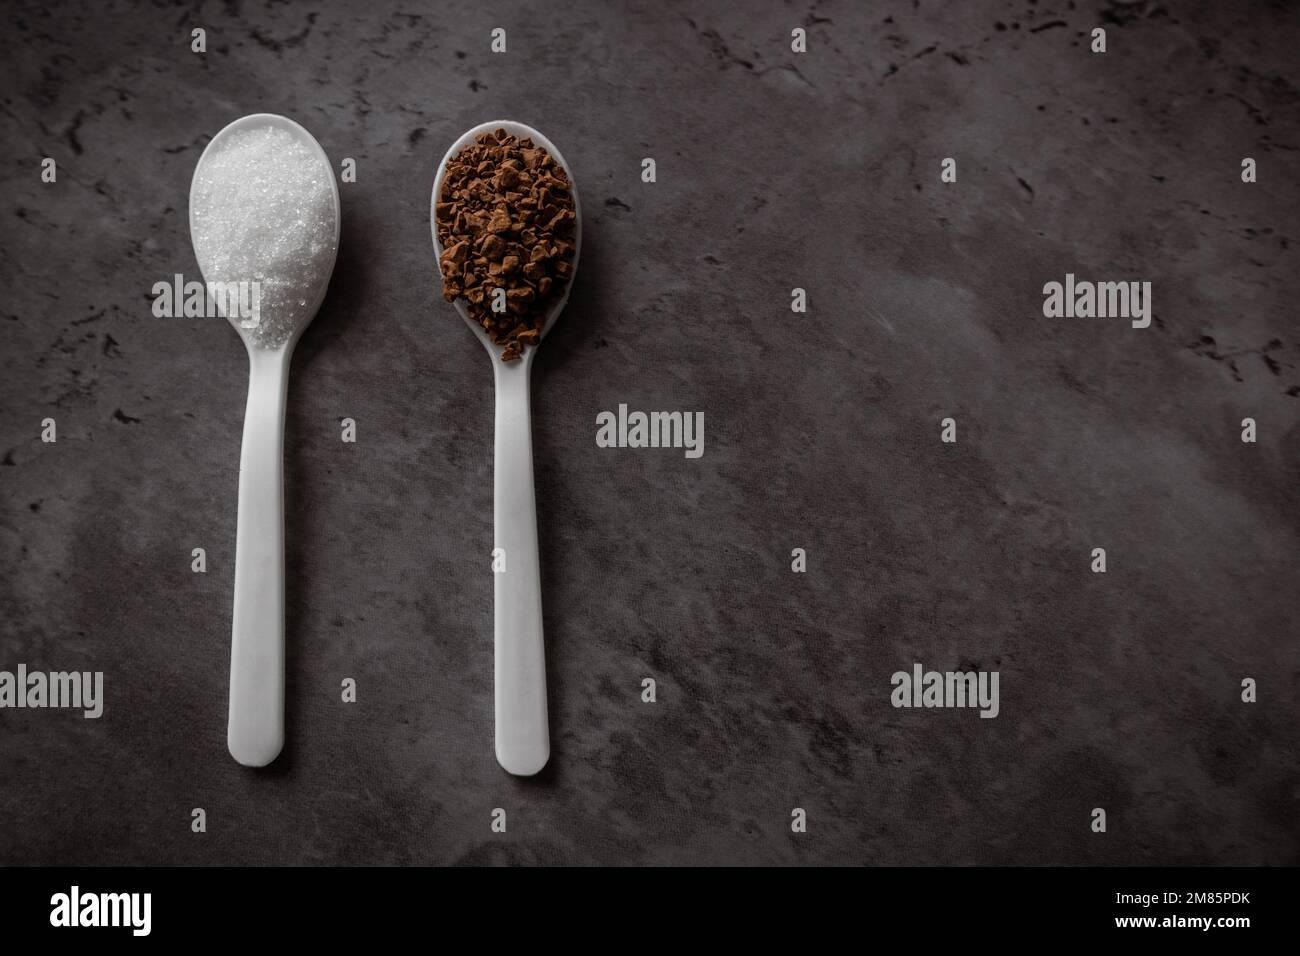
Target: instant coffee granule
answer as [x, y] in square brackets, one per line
[505, 218]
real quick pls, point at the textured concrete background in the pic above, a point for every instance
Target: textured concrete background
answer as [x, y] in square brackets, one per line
[822, 171]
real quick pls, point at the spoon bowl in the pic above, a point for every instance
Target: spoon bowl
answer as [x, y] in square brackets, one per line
[521, 130]
[301, 135]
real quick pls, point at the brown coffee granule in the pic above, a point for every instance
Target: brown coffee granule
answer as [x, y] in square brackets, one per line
[505, 218]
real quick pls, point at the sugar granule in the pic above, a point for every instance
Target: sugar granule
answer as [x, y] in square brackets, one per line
[263, 211]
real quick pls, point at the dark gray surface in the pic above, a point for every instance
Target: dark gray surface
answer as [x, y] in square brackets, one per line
[1118, 690]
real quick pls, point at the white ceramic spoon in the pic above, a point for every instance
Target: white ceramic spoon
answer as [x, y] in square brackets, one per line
[255, 734]
[523, 742]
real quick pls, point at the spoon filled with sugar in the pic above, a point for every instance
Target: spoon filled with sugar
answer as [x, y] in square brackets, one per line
[264, 220]
[507, 230]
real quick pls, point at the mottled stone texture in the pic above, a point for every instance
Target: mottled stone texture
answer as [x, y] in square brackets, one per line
[820, 171]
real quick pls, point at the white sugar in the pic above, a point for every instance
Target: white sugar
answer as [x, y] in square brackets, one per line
[262, 210]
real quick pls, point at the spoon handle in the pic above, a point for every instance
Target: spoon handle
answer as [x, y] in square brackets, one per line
[256, 731]
[523, 741]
